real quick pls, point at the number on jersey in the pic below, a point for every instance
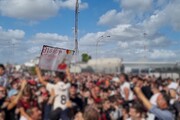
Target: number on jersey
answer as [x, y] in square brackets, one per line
[63, 99]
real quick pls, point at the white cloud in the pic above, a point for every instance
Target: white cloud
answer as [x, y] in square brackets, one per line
[29, 9]
[132, 11]
[169, 16]
[35, 9]
[137, 5]
[162, 54]
[9, 41]
[123, 44]
[71, 4]
[11, 35]
[112, 17]
[14, 47]
[128, 41]
[50, 37]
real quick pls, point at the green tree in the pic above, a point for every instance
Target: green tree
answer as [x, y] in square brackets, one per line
[85, 57]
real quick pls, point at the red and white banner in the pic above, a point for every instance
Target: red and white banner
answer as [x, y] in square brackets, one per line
[56, 59]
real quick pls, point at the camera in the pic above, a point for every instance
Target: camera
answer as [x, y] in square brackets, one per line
[132, 86]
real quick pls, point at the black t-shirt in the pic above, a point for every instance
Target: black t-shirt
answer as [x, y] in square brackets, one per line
[10, 114]
[78, 101]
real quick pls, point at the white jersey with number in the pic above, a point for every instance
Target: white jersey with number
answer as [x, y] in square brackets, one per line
[61, 90]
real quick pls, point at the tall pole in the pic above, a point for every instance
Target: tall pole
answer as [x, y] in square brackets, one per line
[76, 27]
[98, 40]
[145, 47]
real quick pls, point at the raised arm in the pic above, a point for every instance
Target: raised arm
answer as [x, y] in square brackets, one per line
[126, 91]
[41, 79]
[68, 74]
[142, 97]
[15, 101]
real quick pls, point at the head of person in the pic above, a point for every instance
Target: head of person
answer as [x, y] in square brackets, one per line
[123, 77]
[2, 92]
[172, 93]
[134, 79]
[140, 82]
[59, 76]
[97, 90]
[14, 84]
[43, 93]
[34, 113]
[26, 95]
[73, 90]
[163, 100]
[169, 80]
[2, 69]
[154, 87]
[136, 111]
[91, 113]
[106, 105]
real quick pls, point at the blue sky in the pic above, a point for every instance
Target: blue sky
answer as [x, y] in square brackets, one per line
[26, 25]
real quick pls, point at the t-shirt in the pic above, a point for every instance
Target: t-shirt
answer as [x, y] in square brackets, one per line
[122, 92]
[173, 85]
[78, 101]
[153, 99]
[3, 80]
[161, 114]
[23, 118]
[61, 90]
[10, 114]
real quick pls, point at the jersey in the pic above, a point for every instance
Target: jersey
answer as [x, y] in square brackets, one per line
[61, 90]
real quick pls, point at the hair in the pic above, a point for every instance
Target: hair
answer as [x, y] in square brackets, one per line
[138, 107]
[125, 76]
[135, 76]
[2, 66]
[90, 113]
[165, 96]
[61, 75]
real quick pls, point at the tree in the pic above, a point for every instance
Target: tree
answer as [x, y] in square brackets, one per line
[85, 57]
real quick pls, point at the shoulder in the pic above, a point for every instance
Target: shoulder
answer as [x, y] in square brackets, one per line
[165, 114]
[126, 84]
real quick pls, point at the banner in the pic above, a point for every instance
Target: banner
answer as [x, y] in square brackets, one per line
[56, 59]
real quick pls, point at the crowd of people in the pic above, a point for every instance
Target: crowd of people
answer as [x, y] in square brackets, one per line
[87, 96]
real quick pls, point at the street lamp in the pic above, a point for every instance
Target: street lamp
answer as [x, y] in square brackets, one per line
[98, 40]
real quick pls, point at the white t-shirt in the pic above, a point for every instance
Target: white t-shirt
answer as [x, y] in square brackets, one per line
[122, 92]
[61, 90]
[23, 118]
[173, 85]
[153, 99]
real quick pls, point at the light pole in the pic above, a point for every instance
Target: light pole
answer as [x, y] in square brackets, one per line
[98, 40]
